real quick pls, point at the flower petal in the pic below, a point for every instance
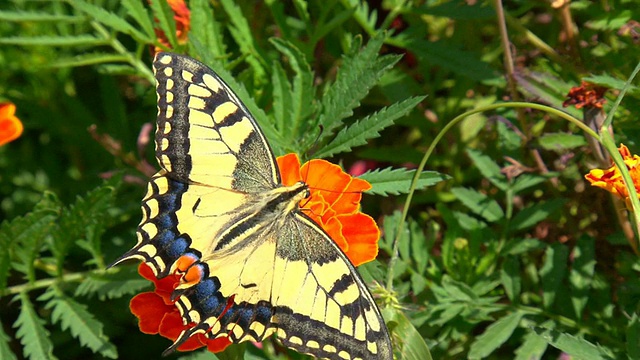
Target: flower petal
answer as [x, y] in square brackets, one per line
[150, 309]
[289, 166]
[218, 344]
[363, 234]
[10, 126]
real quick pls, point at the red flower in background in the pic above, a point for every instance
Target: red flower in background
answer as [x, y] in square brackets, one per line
[586, 95]
[157, 314]
[334, 204]
[10, 126]
[182, 16]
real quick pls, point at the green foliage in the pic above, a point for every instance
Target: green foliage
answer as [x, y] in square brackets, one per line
[509, 255]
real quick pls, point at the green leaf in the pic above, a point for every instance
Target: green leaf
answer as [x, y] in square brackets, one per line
[82, 324]
[241, 33]
[300, 105]
[23, 16]
[561, 141]
[26, 235]
[31, 331]
[480, 204]
[510, 277]
[367, 128]
[448, 56]
[576, 347]
[85, 219]
[608, 81]
[165, 20]
[112, 284]
[87, 59]
[206, 30]
[532, 347]
[357, 75]
[397, 181]
[525, 181]
[521, 246]
[633, 337]
[488, 168]
[110, 19]
[535, 213]
[5, 349]
[582, 272]
[553, 272]
[413, 344]
[137, 11]
[495, 335]
[78, 40]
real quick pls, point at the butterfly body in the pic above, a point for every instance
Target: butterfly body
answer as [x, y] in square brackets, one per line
[253, 263]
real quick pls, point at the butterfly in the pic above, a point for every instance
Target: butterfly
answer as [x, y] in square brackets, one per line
[253, 263]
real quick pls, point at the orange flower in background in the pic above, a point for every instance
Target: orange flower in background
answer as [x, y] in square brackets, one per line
[611, 178]
[10, 126]
[586, 95]
[182, 16]
[334, 204]
[157, 314]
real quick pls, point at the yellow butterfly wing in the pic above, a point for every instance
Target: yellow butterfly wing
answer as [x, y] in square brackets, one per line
[266, 267]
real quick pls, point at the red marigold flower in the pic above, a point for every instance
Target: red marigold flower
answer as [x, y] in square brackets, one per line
[611, 178]
[334, 204]
[586, 95]
[10, 126]
[182, 16]
[157, 314]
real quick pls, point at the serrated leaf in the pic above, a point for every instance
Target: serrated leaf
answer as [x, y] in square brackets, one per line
[576, 347]
[553, 272]
[5, 349]
[110, 19]
[480, 204]
[495, 335]
[77, 40]
[26, 235]
[561, 141]
[367, 128]
[413, 345]
[137, 11]
[282, 93]
[85, 219]
[357, 75]
[206, 30]
[82, 324]
[390, 181]
[535, 213]
[24, 16]
[301, 104]
[488, 168]
[111, 285]
[31, 331]
[241, 33]
[532, 347]
[87, 59]
[164, 16]
[582, 272]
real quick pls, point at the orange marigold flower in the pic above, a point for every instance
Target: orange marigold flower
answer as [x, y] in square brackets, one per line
[10, 126]
[611, 178]
[334, 204]
[586, 95]
[157, 314]
[182, 16]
